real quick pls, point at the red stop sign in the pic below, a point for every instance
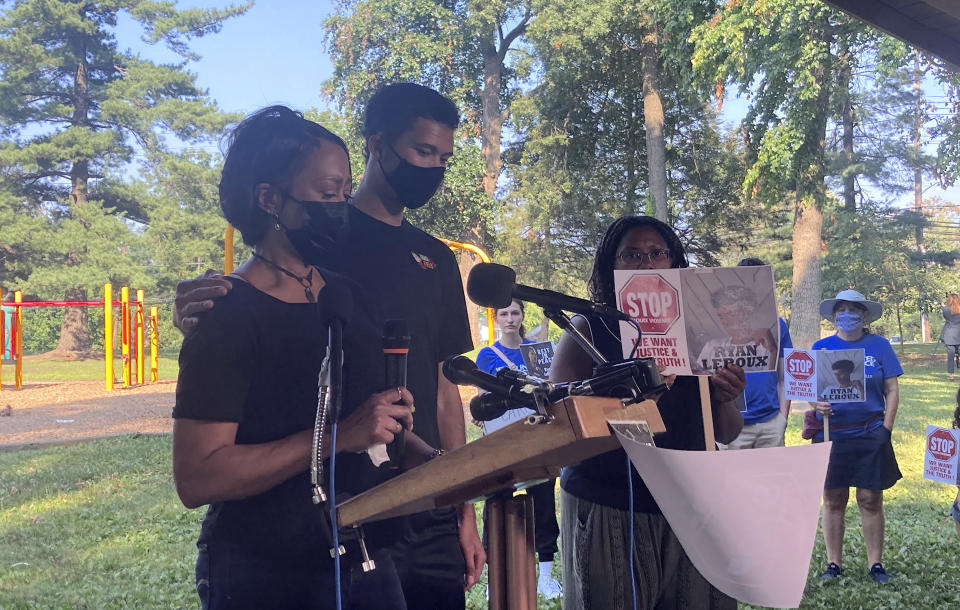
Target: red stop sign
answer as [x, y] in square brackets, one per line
[799, 365]
[651, 301]
[942, 445]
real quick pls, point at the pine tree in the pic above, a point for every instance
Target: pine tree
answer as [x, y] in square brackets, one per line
[76, 110]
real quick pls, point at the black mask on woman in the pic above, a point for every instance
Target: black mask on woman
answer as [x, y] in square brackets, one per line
[414, 185]
[316, 241]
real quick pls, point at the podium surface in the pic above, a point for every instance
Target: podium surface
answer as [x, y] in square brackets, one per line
[515, 454]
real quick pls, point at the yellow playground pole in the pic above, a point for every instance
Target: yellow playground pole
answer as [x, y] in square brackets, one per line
[18, 340]
[108, 335]
[154, 346]
[228, 250]
[484, 258]
[125, 334]
[139, 337]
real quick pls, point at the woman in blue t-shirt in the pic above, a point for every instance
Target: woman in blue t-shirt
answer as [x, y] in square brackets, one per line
[506, 353]
[862, 454]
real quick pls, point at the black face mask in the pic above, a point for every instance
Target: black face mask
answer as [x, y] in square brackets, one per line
[317, 241]
[414, 185]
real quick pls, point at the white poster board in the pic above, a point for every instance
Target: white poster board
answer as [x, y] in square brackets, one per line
[940, 460]
[727, 510]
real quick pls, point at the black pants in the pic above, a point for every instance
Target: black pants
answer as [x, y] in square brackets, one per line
[235, 579]
[546, 530]
[951, 358]
[430, 562]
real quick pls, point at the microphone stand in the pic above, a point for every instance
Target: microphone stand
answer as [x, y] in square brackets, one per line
[561, 319]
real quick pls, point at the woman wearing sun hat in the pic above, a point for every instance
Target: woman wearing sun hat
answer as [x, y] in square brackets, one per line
[862, 454]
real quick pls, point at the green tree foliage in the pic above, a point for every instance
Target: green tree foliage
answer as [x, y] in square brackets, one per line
[784, 53]
[77, 111]
[581, 157]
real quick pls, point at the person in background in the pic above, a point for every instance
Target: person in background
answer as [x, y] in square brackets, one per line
[247, 389]
[765, 409]
[950, 333]
[505, 353]
[862, 453]
[594, 501]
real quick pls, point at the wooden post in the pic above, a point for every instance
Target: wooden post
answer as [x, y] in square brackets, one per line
[520, 568]
[125, 334]
[497, 554]
[139, 336]
[108, 335]
[707, 407]
[17, 339]
[826, 428]
[154, 346]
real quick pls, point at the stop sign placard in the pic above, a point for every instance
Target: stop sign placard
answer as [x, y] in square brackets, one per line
[942, 445]
[651, 301]
[799, 365]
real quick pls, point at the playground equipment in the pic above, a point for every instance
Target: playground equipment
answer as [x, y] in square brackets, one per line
[131, 335]
[453, 245]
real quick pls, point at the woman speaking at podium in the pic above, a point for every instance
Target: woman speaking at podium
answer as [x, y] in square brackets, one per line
[247, 390]
[594, 499]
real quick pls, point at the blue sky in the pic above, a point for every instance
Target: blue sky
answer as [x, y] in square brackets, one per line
[275, 54]
[272, 54]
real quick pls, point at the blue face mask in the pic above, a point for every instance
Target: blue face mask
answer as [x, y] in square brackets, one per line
[849, 321]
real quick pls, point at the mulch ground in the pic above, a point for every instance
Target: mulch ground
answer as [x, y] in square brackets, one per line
[60, 412]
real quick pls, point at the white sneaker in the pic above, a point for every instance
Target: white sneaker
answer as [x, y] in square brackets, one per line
[549, 588]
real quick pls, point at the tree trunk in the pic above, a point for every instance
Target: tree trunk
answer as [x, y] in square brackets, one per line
[74, 337]
[653, 118]
[808, 212]
[849, 176]
[466, 261]
[918, 183]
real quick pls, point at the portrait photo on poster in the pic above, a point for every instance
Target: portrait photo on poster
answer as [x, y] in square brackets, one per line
[731, 317]
[840, 375]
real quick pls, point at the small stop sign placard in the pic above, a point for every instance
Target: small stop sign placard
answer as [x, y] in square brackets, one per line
[799, 365]
[651, 301]
[942, 445]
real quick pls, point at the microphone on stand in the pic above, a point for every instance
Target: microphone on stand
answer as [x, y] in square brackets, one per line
[493, 285]
[396, 346]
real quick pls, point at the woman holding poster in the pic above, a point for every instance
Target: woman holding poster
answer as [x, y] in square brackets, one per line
[595, 503]
[862, 454]
[955, 509]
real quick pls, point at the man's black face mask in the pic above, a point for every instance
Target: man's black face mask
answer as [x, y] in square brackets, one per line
[316, 241]
[414, 185]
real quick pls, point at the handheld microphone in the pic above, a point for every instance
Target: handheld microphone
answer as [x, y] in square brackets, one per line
[493, 285]
[396, 345]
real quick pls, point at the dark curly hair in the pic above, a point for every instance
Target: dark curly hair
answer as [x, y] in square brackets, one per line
[601, 279]
[269, 146]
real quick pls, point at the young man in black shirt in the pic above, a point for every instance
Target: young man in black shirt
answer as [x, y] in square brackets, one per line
[408, 131]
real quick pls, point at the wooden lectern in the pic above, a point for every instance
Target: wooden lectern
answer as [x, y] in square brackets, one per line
[495, 465]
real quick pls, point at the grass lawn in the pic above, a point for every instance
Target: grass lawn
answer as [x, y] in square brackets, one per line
[98, 525]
